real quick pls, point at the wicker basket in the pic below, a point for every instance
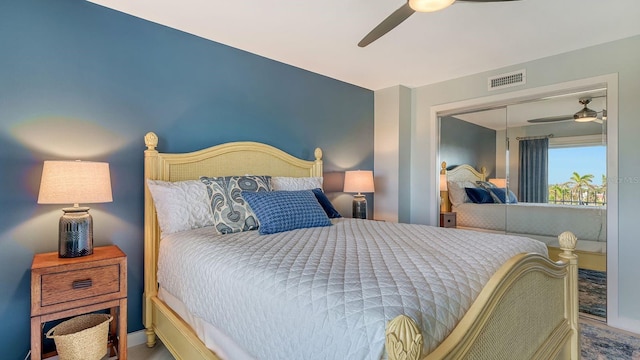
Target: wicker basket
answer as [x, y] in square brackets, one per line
[83, 337]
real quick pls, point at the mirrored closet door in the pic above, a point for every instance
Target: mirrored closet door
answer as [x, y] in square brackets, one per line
[534, 168]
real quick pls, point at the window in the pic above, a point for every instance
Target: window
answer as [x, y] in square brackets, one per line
[577, 171]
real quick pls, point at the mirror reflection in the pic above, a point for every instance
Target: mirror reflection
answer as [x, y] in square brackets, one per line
[536, 168]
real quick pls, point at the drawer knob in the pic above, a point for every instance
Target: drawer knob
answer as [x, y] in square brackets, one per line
[81, 284]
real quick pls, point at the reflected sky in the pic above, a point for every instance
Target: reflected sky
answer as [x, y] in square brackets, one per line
[583, 160]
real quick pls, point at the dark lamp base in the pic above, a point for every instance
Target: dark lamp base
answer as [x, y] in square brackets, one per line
[75, 236]
[359, 207]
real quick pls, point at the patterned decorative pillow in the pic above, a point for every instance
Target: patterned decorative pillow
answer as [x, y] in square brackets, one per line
[485, 184]
[231, 213]
[279, 183]
[332, 213]
[499, 196]
[280, 211]
[181, 205]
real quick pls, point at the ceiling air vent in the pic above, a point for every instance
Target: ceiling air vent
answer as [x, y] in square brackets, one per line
[508, 80]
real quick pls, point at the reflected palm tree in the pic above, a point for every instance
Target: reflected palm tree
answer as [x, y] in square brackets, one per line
[579, 184]
[557, 193]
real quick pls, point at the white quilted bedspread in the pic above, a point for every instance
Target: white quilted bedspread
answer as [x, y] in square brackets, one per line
[327, 293]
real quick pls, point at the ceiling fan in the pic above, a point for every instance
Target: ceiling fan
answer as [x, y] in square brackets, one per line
[407, 10]
[584, 115]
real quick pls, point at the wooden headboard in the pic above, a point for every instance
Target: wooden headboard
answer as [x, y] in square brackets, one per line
[466, 172]
[462, 172]
[236, 158]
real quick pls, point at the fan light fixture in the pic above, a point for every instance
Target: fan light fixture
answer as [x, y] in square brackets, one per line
[429, 5]
[586, 114]
[407, 9]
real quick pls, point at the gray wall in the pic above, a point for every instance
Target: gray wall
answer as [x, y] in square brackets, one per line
[462, 142]
[79, 81]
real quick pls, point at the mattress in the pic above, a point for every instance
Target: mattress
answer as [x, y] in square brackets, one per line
[328, 292]
[586, 222]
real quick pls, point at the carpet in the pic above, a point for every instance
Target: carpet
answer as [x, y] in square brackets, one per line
[592, 292]
[601, 342]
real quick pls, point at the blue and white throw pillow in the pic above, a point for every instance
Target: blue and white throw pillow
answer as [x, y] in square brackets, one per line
[231, 213]
[280, 211]
[485, 184]
[499, 196]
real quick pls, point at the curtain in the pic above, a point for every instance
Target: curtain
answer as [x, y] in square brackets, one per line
[533, 184]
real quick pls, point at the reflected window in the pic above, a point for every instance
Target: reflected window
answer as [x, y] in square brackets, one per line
[577, 174]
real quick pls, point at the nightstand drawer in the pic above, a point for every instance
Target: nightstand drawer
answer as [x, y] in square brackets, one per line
[448, 219]
[79, 284]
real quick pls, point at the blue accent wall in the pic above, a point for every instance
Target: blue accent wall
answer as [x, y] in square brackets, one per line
[79, 81]
[462, 142]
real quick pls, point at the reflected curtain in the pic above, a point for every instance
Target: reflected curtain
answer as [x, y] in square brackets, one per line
[533, 171]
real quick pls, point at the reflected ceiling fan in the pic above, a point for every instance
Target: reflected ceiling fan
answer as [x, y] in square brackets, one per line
[584, 115]
[406, 10]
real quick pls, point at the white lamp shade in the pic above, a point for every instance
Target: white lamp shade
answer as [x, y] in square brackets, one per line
[429, 5]
[501, 183]
[75, 182]
[359, 181]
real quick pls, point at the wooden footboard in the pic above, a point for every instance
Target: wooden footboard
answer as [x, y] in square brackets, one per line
[586, 259]
[528, 310]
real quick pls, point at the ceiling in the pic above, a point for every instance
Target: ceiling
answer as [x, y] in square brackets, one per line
[517, 115]
[464, 39]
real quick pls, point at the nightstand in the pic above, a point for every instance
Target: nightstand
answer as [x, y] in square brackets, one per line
[448, 219]
[67, 287]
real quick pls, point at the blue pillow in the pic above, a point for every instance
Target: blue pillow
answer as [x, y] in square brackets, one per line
[499, 196]
[332, 213]
[479, 195]
[279, 211]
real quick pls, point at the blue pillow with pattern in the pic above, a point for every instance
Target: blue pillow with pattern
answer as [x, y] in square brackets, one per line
[279, 211]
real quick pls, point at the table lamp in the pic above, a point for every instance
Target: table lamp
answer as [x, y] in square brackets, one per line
[75, 182]
[359, 181]
[498, 182]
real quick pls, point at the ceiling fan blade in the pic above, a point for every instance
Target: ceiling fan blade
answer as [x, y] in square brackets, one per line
[551, 119]
[393, 20]
[486, 0]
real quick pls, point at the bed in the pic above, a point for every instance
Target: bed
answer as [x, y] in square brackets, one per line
[539, 221]
[529, 300]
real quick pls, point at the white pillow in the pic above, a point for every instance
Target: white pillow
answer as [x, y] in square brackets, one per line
[281, 183]
[181, 205]
[457, 194]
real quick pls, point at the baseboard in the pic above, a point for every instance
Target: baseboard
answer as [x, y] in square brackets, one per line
[626, 324]
[136, 338]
